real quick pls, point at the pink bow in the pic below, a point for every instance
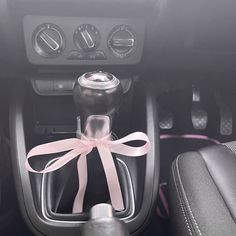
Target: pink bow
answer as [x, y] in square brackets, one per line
[82, 147]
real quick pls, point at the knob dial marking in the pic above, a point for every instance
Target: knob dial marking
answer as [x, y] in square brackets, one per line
[122, 41]
[87, 38]
[48, 40]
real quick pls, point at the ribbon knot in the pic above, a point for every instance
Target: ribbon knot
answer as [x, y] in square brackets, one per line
[81, 148]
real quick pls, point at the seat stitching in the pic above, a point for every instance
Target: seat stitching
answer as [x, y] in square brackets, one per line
[185, 196]
[229, 147]
[181, 204]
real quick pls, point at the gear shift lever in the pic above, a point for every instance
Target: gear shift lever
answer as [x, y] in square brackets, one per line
[97, 97]
[97, 93]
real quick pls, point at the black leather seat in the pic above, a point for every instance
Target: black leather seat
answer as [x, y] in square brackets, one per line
[202, 192]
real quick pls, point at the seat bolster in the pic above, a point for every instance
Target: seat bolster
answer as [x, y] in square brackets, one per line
[196, 204]
[221, 164]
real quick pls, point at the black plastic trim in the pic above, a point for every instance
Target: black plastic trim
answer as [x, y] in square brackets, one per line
[22, 178]
[152, 167]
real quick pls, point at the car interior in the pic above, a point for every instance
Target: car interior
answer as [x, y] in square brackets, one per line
[117, 117]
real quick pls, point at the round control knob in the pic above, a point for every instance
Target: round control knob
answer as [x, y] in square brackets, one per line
[87, 37]
[48, 40]
[122, 41]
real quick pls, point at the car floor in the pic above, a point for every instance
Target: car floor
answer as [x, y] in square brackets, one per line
[182, 137]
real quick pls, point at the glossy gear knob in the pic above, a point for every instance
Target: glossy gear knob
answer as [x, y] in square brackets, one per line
[97, 93]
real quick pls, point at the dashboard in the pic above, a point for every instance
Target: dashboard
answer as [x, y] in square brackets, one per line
[67, 37]
[57, 35]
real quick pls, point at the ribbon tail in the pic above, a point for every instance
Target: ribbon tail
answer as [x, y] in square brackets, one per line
[83, 179]
[111, 177]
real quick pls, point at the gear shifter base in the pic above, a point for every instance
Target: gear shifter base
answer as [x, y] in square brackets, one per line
[103, 222]
[61, 186]
[59, 190]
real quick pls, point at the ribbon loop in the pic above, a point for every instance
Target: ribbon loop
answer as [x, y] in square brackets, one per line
[81, 148]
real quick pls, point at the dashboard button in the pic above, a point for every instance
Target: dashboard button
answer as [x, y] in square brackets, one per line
[63, 85]
[87, 38]
[122, 41]
[100, 55]
[48, 40]
[76, 55]
[91, 56]
[97, 55]
[43, 85]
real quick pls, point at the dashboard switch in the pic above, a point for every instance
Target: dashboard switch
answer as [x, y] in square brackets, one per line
[76, 55]
[87, 38]
[100, 55]
[48, 40]
[122, 41]
[63, 85]
[116, 42]
[43, 85]
[53, 86]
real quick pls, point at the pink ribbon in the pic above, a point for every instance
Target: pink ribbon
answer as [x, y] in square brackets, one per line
[189, 136]
[82, 147]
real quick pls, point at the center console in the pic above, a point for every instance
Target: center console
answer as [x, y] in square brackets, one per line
[46, 199]
[60, 44]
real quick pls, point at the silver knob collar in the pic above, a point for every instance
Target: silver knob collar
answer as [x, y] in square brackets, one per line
[98, 80]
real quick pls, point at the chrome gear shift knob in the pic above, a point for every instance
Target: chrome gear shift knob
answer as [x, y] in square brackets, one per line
[97, 93]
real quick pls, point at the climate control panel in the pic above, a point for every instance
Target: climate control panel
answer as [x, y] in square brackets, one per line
[83, 41]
